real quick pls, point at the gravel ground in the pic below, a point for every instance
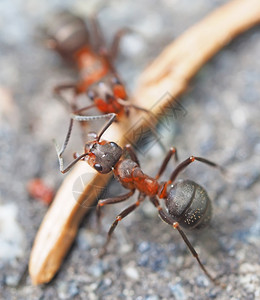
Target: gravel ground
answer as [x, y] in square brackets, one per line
[222, 123]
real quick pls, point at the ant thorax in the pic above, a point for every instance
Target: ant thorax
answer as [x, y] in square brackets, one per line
[103, 156]
[131, 176]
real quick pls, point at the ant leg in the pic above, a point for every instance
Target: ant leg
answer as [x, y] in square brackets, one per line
[136, 107]
[114, 200]
[78, 111]
[122, 215]
[188, 161]
[128, 148]
[171, 152]
[167, 219]
[111, 117]
[67, 86]
[58, 93]
[129, 105]
[99, 42]
[116, 41]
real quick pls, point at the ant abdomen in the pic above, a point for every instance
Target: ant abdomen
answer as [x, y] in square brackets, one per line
[189, 204]
[68, 33]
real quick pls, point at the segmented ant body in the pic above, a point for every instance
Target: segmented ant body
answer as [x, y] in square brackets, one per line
[70, 37]
[187, 202]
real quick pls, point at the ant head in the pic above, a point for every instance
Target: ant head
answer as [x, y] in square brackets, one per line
[118, 88]
[103, 155]
[106, 90]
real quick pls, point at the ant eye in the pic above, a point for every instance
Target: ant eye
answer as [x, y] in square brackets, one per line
[115, 80]
[114, 145]
[98, 167]
[91, 95]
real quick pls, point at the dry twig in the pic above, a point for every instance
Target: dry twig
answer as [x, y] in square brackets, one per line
[170, 72]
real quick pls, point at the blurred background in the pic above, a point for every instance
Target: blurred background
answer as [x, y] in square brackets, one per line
[146, 259]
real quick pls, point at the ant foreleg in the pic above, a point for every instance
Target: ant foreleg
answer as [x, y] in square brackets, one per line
[136, 107]
[167, 219]
[78, 111]
[58, 93]
[122, 215]
[153, 118]
[114, 200]
[116, 41]
[188, 161]
[129, 149]
[171, 152]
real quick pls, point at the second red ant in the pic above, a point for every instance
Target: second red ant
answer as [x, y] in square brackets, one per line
[187, 203]
[98, 79]
[69, 36]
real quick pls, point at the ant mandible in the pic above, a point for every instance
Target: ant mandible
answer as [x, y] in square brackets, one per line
[187, 203]
[69, 36]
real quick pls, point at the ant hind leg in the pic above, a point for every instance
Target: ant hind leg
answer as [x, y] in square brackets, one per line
[103, 202]
[116, 42]
[99, 40]
[171, 152]
[190, 160]
[122, 215]
[167, 219]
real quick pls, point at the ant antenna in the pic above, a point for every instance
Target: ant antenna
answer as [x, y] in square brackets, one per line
[111, 116]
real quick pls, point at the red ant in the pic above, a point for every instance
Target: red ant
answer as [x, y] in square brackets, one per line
[187, 203]
[70, 37]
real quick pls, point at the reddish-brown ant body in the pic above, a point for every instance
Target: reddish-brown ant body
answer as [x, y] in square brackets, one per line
[187, 202]
[70, 37]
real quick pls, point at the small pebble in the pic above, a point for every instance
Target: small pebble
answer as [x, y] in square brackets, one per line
[151, 297]
[12, 237]
[84, 239]
[202, 281]
[73, 289]
[12, 280]
[62, 290]
[132, 45]
[132, 273]
[96, 270]
[143, 247]
[213, 293]
[177, 291]
[143, 261]
[104, 284]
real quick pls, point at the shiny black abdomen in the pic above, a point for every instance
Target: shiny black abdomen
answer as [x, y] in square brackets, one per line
[189, 204]
[68, 32]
